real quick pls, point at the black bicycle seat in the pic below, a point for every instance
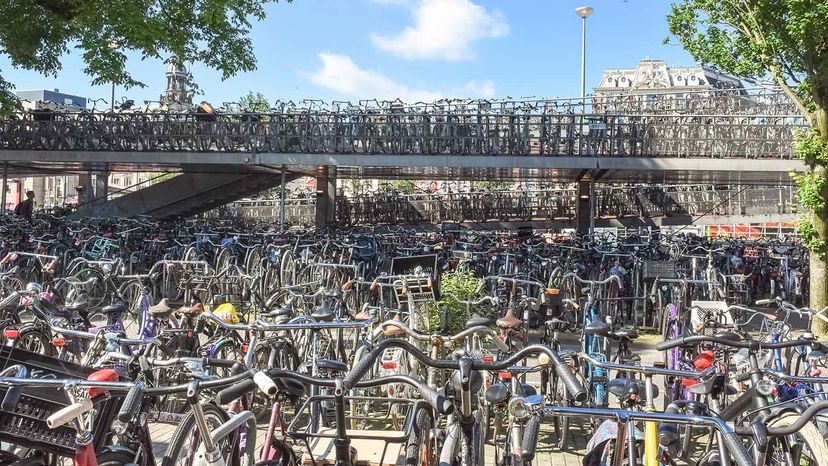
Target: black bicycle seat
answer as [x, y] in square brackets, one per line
[497, 393]
[290, 387]
[597, 327]
[476, 321]
[114, 308]
[627, 333]
[323, 313]
[623, 388]
[730, 336]
[331, 365]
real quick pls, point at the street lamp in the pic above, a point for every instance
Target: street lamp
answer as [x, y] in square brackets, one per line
[584, 12]
[114, 45]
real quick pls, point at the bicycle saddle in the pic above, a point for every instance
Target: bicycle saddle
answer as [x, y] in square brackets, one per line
[290, 387]
[331, 365]
[509, 321]
[476, 321]
[362, 316]
[497, 393]
[627, 333]
[196, 308]
[728, 336]
[557, 324]
[596, 326]
[323, 313]
[115, 308]
[393, 330]
[79, 304]
[623, 388]
[334, 294]
[160, 309]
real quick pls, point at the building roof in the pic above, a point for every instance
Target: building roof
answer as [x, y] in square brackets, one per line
[52, 95]
[655, 76]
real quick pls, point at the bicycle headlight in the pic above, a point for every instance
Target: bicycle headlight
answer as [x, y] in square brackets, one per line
[517, 407]
[765, 387]
[534, 403]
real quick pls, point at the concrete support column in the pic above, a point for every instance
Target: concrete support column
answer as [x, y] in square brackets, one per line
[101, 186]
[325, 195]
[584, 210]
[87, 193]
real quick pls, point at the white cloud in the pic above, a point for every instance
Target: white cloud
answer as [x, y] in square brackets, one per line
[444, 29]
[340, 74]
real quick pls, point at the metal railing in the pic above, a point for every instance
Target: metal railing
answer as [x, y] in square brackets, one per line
[728, 125]
[613, 201]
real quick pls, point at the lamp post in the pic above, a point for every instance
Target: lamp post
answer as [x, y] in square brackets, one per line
[584, 12]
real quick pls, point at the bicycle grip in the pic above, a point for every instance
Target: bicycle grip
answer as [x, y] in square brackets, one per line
[358, 371]
[440, 403]
[669, 344]
[10, 399]
[571, 383]
[265, 383]
[235, 391]
[668, 433]
[132, 401]
[763, 302]
[737, 449]
[68, 413]
[530, 438]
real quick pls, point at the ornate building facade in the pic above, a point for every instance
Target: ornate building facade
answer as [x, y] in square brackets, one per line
[655, 77]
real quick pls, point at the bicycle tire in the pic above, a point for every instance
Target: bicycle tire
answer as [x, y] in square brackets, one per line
[809, 435]
[187, 430]
[420, 449]
[35, 341]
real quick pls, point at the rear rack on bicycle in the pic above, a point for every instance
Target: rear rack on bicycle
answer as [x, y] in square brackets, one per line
[26, 425]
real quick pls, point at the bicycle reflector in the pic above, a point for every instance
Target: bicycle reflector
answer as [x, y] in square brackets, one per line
[704, 360]
[11, 332]
[103, 375]
[58, 342]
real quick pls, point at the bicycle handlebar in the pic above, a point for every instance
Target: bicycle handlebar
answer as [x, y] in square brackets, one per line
[442, 339]
[749, 344]
[571, 383]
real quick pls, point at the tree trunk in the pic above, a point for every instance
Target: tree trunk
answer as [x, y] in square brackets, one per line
[819, 278]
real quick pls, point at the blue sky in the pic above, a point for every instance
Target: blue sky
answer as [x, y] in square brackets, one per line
[416, 49]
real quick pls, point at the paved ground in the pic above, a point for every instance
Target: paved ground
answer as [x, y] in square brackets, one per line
[580, 431]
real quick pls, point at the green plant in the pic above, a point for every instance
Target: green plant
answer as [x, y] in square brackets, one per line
[462, 284]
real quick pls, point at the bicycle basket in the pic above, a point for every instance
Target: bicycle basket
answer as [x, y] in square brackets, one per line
[659, 269]
[705, 311]
[26, 425]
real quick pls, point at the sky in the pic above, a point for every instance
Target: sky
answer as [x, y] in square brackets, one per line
[417, 50]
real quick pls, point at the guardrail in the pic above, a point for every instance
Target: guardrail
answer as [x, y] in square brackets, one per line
[719, 126]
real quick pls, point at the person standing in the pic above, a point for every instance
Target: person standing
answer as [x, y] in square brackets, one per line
[26, 207]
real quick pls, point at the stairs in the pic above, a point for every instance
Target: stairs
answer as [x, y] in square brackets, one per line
[185, 195]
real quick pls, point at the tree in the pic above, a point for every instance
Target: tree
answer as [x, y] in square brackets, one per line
[256, 103]
[35, 34]
[784, 41]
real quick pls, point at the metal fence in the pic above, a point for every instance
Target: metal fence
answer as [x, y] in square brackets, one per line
[715, 126]
[550, 204]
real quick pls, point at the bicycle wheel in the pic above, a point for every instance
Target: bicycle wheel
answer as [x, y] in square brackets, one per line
[560, 423]
[805, 448]
[186, 439]
[420, 449]
[35, 341]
